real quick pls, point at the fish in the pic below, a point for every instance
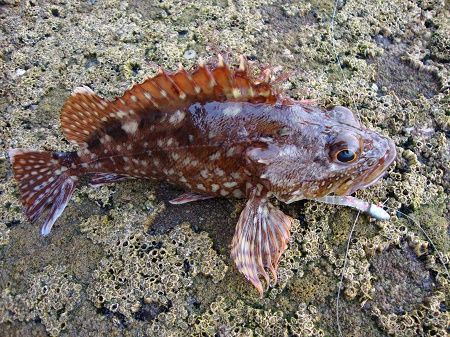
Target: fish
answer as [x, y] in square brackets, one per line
[215, 131]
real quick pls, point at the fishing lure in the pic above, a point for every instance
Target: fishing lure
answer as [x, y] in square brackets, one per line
[217, 132]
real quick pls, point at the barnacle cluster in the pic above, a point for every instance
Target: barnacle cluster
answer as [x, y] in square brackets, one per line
[147, 277]
[238, 319]
[51, 297]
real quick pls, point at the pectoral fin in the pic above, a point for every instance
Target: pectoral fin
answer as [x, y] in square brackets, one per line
[261, 236]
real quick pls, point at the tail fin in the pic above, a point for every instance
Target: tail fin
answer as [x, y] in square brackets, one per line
[46, 183]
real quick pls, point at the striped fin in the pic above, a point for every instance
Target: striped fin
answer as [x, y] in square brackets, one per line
[46, 183]
[261, 236]
[85, 113]
[189, 197]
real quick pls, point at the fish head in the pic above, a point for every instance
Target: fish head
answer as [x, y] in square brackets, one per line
[332, 154]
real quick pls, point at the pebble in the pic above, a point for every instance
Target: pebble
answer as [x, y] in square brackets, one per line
[20, 72]
[190, 54]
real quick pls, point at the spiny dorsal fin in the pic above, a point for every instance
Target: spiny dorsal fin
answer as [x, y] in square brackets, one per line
[84, 113]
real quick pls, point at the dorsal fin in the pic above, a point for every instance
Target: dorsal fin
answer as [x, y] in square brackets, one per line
[84, 113]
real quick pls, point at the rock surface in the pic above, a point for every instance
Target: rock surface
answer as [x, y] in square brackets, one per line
[121, 261]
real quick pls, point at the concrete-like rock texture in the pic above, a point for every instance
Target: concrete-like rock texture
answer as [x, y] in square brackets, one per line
[121, 261]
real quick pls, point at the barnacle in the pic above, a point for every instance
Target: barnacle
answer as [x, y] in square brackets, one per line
[51, 297]
[155, 271]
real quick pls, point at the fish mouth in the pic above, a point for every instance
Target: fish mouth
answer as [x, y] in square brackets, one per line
[374, 174]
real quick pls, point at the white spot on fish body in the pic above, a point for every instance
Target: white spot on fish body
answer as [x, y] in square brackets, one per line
[237, 193]
[187, 161]
[177, 117]
[130, 127]
[119, 114]
[201, 187]
[219, 172]
[204, 173]
[215, 187]
[214, 156]
[224, 193]
[236, 93]
[231, 151]
[175, 156]
[230, 184]
[236, 175]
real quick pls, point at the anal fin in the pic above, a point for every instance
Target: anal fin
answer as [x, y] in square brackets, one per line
[188, 197]
[98, 179]
[261, 236]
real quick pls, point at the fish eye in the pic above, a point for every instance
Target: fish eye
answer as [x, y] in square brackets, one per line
[345, 149]
[346, 156]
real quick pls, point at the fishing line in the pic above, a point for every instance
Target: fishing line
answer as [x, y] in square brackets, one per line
[343, 272]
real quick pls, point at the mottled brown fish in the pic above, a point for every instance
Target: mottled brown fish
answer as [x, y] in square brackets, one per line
[217, 132]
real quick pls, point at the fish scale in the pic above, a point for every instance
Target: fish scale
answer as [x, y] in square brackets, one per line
[215, 131]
